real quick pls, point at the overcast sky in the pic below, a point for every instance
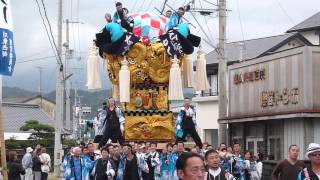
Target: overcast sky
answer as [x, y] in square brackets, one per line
[258, 19]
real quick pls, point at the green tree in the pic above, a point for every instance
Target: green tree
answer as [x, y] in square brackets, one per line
[40, 133]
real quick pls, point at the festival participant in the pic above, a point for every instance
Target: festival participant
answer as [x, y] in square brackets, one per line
[113, 39]
[92, 155]
[45, 164]
[14, 167]
[78, 166]
[190, 166]
[225, 159]
[114, 124]
[214, 170]
[180, 148]
[186, 121]
[164, 159]
[237, 162]
[104, 167]
[153, 161]
[131, 167]
[289, 168]
[121, 17]
[250, 166]
[312, 173]
[27, 163]
[176, 18]
[168, 14]
[259, 164]
[36, 164]
[172, 156]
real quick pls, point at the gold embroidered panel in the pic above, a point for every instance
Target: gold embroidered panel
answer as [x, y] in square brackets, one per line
[148, 125]
[148, 97]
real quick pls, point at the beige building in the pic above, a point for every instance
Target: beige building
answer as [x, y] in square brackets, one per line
[273, 91]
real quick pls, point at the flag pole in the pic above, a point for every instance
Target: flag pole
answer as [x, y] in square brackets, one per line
[2, 142]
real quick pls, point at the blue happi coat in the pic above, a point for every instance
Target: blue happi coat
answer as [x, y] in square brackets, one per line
[69, 167]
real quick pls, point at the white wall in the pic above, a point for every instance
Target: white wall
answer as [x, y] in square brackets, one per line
[312, 37]
[207, 114]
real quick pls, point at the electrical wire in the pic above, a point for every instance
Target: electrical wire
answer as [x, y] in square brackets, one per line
[285, 12]
[241, 26]
[148, 7]
[47, 31]
[134, 6]
[141, 5]
[35, 59]
[206, 22]
[52, 37]
[35, 54]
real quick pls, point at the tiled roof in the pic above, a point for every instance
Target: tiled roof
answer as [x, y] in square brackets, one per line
[15, 115]
[252, 48]
[311, 23]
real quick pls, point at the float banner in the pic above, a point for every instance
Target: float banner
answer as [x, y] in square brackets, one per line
[7, 53]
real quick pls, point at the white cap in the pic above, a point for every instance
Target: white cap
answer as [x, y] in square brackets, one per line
[29, 150]
[313, 147]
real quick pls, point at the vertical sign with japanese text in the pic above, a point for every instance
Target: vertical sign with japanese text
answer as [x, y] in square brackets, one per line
[7, 55]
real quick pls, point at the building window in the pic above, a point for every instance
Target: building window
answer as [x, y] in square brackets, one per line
[214, 84]
[211, 137]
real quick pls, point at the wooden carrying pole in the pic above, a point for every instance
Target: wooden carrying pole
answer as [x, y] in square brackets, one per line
[2, 142]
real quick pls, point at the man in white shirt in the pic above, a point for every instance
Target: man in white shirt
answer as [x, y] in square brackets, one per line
[214, 171]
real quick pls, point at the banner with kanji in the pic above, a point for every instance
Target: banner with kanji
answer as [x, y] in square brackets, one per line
[7, 53]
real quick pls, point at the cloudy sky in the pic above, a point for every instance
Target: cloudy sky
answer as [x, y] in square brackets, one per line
[255, 18]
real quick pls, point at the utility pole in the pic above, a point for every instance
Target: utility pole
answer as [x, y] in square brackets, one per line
[40, 83]
[68, 57]
[59, 98]
[2, 141]
[222, 70]
[67, 81]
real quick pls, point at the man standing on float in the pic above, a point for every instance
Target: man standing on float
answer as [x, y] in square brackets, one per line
[114, 124]
[186, 121]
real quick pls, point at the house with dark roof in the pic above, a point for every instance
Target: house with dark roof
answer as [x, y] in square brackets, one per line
[16, 114]
[272, 91]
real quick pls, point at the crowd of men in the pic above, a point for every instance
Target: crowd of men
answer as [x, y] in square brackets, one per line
[143, 161]
[35, 164]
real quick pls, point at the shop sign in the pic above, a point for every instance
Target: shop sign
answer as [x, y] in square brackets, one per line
[275, 98]
[249, 76]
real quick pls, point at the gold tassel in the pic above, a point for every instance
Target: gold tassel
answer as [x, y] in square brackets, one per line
[124, 81]
[93, 69]
[201, 82]
[187, 71]
[175, 82]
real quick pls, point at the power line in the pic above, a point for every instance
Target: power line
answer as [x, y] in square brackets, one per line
[53, 41]
[35, 59]
[148, 7]
[206, 22]
[35, 54]
[47, 32]
[241, 26]
[141, 5]
[285, 12]
[134, 5]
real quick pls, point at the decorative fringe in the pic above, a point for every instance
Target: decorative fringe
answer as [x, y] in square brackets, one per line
[201, 82]
[93, 69]
[115, 92]
[124, 81]
[187, 71]
[175, 82]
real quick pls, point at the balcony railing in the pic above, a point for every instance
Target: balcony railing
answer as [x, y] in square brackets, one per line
[209, 93]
